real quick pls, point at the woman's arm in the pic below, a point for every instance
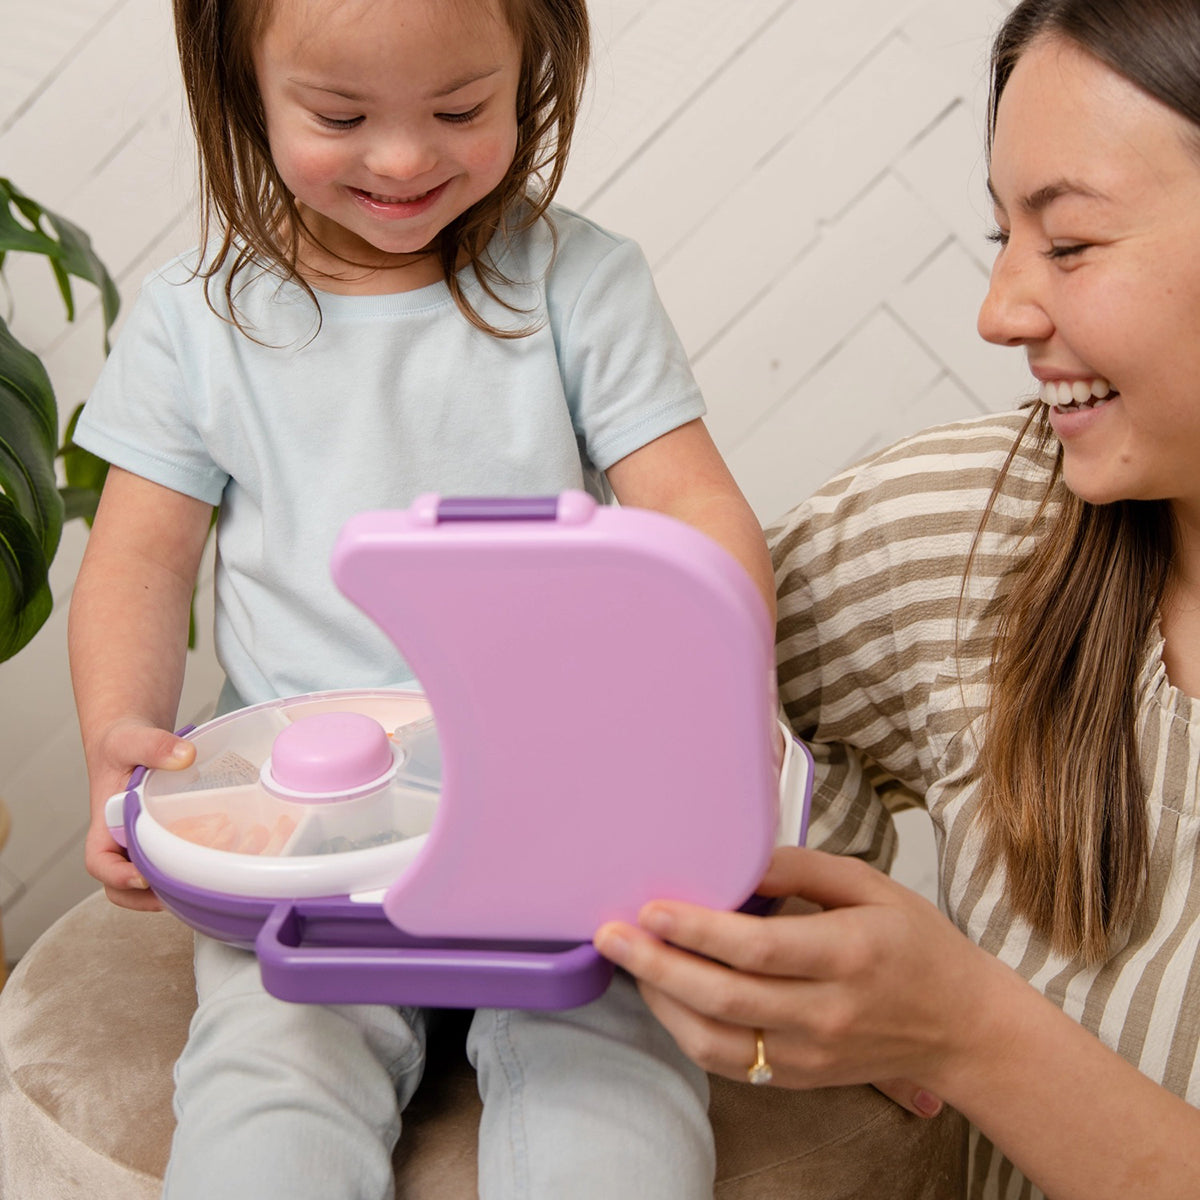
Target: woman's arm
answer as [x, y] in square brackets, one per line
[128, 642]
[880, 985]
[683, 475]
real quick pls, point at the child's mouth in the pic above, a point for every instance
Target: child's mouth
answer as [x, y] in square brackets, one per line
[381, 199]
[390, 207]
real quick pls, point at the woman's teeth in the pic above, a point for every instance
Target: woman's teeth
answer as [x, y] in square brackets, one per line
[1079, 393]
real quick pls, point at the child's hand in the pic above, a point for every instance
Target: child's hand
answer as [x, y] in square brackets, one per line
[127, 744]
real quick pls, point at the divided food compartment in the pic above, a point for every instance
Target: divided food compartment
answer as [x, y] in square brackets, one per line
[221, 809]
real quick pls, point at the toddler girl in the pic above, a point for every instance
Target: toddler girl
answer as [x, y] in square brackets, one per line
[385, 303]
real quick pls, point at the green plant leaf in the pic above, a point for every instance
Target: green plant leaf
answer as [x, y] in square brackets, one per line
[28, 442]
[32, 507]
[85, 474]
[79, 504]
[25, 600]
[77, 258]
[69, 250]
[22, 235]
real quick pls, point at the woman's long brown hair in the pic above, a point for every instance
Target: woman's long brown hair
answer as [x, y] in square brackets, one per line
[1062, 790]
[255, 219]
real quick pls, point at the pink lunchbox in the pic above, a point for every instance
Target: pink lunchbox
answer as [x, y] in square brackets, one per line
[596, 730]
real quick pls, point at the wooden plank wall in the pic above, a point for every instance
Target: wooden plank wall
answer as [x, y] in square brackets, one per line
[806, 179]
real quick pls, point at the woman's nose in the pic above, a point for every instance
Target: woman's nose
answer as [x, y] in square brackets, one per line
[1012, 312]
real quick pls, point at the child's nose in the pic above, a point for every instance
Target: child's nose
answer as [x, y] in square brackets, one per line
[1012, 312]
[401, 156]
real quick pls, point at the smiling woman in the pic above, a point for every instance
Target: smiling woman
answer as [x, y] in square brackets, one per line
[1001, 621]
[1096, 279]
[1097, 197]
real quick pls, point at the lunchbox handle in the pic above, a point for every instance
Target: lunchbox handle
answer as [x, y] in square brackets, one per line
[423, 973]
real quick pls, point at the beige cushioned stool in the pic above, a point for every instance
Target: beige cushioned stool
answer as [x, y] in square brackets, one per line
[95, 1014]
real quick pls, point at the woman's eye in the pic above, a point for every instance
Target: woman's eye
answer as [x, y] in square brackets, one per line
[338, 122]
[1067, 250]
[997, 236]
[461, 118]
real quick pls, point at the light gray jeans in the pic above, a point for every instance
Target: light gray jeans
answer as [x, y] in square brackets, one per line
[303, 1102]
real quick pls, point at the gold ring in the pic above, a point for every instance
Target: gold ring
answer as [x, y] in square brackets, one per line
[759, 1070]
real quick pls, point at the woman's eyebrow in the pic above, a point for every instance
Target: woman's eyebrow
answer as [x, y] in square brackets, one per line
[1041, 199]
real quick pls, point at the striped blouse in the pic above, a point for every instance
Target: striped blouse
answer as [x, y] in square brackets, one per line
[883, 662]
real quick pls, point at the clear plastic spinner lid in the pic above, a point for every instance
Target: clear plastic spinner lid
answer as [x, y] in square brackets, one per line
[327, 794]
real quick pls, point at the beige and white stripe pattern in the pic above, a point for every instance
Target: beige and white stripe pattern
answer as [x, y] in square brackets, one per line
[883, 671]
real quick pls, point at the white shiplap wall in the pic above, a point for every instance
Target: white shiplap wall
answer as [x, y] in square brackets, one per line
[805, 177]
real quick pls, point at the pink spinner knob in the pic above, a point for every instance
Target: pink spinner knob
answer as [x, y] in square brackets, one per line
[337, 754]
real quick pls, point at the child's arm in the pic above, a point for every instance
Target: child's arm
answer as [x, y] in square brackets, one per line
[682, 474]
[128, 641]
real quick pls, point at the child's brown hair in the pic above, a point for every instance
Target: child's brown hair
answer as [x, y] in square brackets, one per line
[243, 196]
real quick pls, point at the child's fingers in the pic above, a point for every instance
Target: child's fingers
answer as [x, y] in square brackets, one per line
[130, 744]
[148, 746]
[126, 745]
[139, 900]
[123, 883]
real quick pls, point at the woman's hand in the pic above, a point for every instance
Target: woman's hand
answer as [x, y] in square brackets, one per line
[876, 986]
[126, 744]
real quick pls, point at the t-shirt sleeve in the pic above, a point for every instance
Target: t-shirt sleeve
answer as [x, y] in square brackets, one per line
[625, 370]
[141, 415]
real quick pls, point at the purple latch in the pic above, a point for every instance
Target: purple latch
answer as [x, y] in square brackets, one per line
[498, 508]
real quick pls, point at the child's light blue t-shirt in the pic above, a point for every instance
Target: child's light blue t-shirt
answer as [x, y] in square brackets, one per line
[296, 428]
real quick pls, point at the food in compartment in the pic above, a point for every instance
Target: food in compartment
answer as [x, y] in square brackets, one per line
[227, 769]
[340, 844]
[219, 831]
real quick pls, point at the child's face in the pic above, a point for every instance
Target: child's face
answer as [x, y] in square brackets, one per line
[388, 119]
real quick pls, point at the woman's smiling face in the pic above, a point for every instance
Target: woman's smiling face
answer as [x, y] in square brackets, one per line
[1097, 201]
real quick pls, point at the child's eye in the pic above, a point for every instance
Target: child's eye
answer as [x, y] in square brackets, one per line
[461, 118]
[338, 122]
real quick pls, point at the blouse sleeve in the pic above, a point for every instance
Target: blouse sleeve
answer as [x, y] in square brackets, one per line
[848, 814]
[885, 637]
[875, 619]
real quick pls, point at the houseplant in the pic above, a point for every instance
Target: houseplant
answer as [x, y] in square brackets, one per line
[33, 504]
